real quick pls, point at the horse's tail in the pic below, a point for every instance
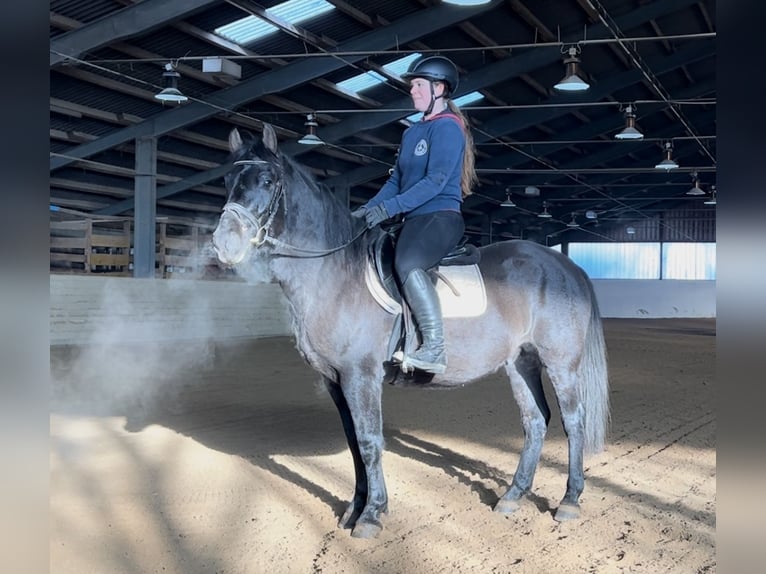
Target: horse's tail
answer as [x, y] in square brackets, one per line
[594, 381]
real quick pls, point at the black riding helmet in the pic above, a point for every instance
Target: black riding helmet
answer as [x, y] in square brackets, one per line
[435, 69]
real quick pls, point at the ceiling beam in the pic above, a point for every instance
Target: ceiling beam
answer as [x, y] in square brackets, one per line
[488, 75]
[290, 76]
[139, 18]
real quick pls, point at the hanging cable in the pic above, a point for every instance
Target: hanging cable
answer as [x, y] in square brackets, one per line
[612, 26]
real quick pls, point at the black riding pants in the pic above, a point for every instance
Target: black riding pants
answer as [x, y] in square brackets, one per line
[425, 239]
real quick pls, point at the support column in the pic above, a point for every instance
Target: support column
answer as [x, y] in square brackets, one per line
[486, 229]
[145, 210]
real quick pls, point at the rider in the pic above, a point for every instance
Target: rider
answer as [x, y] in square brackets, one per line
[434, 171]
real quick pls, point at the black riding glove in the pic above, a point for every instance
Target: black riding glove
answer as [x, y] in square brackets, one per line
[376, 215]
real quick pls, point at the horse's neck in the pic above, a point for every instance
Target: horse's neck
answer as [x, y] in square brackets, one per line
[315, 227]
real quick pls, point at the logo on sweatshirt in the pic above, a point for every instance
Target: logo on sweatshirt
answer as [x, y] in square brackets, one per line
[421, 148]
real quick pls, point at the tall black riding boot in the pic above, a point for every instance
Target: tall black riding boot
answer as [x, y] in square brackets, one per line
[423, 300]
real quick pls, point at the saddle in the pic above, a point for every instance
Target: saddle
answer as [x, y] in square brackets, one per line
[381, 259]
[457, 279]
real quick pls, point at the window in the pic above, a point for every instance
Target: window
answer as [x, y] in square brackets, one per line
[646, 260]
[617, 260]
[688, 260]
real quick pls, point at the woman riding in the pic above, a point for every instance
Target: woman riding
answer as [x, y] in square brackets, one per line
[434, 172]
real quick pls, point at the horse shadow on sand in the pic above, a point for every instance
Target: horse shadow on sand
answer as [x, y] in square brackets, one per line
[258, 401]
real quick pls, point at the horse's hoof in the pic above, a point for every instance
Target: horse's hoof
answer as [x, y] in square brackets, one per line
[366, 530]
[347, 520]
[567, 512]
[506, 506]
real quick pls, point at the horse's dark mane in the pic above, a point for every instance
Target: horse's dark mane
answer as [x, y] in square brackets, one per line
[339, 227]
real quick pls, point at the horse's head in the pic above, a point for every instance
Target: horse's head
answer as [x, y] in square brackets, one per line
[254, 187]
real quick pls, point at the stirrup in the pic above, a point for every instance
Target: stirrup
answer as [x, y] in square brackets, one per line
[409, 363]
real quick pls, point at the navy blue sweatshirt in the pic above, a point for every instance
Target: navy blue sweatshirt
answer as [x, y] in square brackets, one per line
[426, 177]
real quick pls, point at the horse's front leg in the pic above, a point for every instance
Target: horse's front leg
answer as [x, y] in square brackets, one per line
[359, 405]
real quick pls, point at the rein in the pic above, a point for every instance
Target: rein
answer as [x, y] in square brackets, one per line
[262, 231]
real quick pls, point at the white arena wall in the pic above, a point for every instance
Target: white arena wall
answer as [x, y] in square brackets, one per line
[107, 310]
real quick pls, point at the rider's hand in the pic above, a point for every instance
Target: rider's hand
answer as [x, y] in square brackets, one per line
[376, 215]
[359, 212]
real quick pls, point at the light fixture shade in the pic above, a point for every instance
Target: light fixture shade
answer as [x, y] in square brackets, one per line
[630, 230]
[590, 214]
[696, 190]
[171, 95]
[544, 213]
[667, 163]
[508, 202]
[467, 2]
[573, 224]
[310, 139]
[629, 133]
[572, 83]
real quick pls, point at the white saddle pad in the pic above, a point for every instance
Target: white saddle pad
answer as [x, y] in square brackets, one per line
[469, 299]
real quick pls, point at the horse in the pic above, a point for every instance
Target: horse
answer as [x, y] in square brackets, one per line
[541, 316]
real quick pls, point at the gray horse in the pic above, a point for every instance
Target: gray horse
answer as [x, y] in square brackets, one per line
[541, 313]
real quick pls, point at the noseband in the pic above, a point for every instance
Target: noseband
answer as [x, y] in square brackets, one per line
[242, 213]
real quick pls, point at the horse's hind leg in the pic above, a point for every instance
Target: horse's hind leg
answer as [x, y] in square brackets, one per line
[564, 381]
[359, 405]
[525, 374]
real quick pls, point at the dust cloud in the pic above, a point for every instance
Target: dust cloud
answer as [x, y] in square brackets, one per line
[135, 356]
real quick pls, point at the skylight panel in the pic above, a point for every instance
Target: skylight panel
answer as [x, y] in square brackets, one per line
[368, 79]
[468, 99]
[464, 100]
[361, 82]
[252, 28]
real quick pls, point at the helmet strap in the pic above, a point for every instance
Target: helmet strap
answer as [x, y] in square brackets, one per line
[433, 98]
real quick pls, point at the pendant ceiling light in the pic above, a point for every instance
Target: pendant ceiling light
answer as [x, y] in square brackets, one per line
[668, 162]
[695, 189]
[572, 82]
[629, 132]
[712, 199]
[171, 93]
[311, 137]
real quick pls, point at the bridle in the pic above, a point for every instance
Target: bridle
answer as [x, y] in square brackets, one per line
[262, 231]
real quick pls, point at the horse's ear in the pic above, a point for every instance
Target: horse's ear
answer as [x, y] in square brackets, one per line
[235, 140]
[270, 138]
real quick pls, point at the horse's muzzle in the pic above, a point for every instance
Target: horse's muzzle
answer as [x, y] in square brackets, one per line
[230, 240]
